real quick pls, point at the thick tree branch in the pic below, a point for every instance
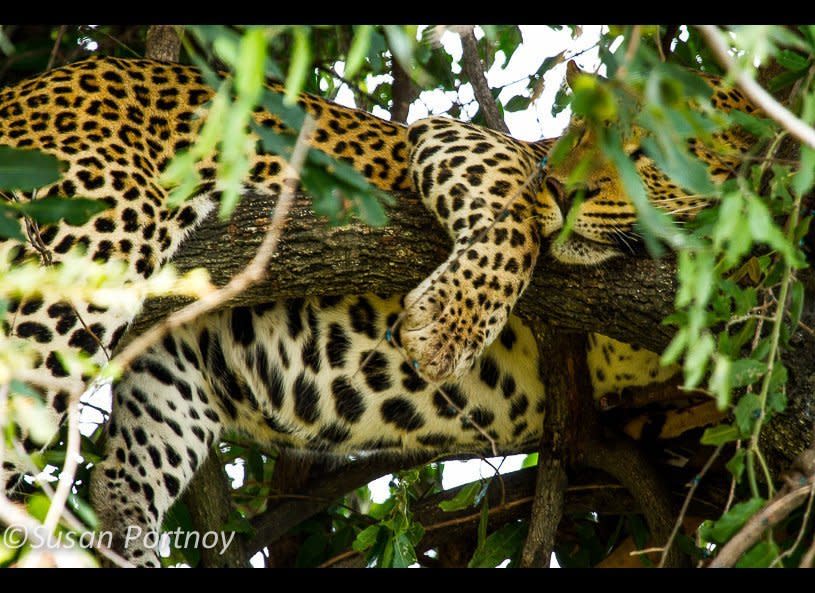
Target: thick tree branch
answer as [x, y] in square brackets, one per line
[625, 298]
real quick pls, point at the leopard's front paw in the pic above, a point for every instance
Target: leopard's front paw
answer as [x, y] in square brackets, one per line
[445, 329]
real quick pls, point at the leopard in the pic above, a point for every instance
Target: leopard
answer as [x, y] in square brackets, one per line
[320, 373]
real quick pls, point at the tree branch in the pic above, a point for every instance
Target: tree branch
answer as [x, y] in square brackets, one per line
[163, 43]
[474, 70]
[568, 388]
[209, 502]
[625, 299]
[799, 488]
[404, 93]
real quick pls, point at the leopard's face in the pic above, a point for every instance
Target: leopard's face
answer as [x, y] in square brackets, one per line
[603, 212]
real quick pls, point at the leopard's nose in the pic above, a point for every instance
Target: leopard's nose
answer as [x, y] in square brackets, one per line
[558, 192]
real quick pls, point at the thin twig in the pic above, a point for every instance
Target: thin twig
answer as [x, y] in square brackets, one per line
[67, 515]
[755, 91]
[53, 57]
[800, 536]
[773, 512]
[254, 271]
[808, 561]
[66, 477]
[694, 484]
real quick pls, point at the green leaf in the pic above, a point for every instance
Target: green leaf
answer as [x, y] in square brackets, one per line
[736, 464]
[27, 169]
[758, 126]
[784, 80]
[733, 520]
[83, 511]
[371, 211]
[696, 360]
[299, 65]
[250, 69]
[366, 538]
[483, 522]
[254, 464]
[499, 546]
[312, 551]
[546, 65]
[802, 180]
[75, 211]
[358, 50]
[517, 103]
[747, 371]
[10, 223]
[759, 556]
[719, 435]
[747, 411]
[676, 162]
[675, 348]
[791, 60]
[464, 498]
[403, 553]
[401, 45]
[720, 381]
[38, 505]
[530, 460]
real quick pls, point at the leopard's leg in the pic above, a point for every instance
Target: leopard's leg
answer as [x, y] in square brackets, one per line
[162, 427]
[483, 188]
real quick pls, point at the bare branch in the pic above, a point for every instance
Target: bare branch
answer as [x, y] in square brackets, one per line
[755, 91]
[694, 485]
[404, 93]
[163, 43]
[474, 69]
[55, 50]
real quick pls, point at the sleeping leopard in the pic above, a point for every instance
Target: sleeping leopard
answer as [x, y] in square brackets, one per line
[309, 373]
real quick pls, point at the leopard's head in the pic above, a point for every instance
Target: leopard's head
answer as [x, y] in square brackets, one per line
[603, 213]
